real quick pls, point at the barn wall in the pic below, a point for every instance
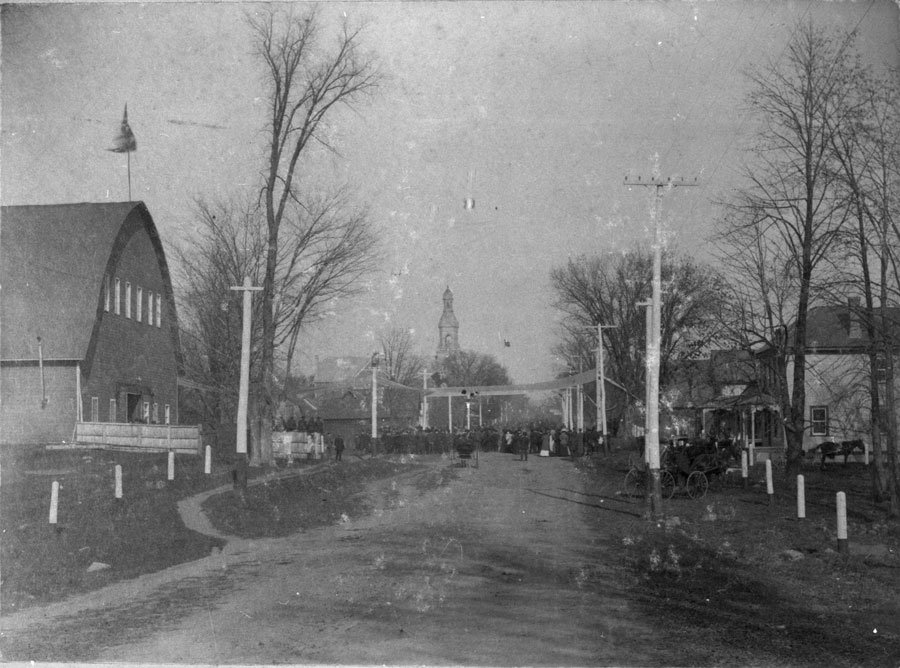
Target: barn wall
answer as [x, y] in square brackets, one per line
[132, 356]
[22, 420]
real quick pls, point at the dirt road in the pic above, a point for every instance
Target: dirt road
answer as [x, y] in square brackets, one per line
[497, 568]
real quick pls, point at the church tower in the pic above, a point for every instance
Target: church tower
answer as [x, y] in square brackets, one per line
[448, 329]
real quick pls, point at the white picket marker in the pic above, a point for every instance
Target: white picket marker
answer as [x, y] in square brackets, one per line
[171, 471]
[54, 501]
[801, 497]
[118, 481]
[752, 454]
[866, 452]
[207, 462]
[744, 467]
[842, 522]
[770, 489]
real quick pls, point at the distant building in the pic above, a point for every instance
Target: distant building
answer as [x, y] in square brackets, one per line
[342, 395]
[448, 330]
[89, 329]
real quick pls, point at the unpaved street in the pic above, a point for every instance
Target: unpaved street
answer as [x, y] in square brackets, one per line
[500, 567]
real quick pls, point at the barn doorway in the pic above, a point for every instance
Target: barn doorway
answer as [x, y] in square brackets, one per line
[134, 407]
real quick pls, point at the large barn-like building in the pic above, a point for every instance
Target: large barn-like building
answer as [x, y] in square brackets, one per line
[88, 329]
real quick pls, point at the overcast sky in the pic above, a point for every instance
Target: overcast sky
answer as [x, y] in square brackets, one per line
[537, 110]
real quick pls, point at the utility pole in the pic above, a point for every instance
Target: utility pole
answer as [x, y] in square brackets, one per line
[601, 386]
[424, 399]
[580, 398]
[374, 400]
[244, 385]
[661, 186]
[648, 329]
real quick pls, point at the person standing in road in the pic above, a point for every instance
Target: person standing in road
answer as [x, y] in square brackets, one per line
[338, 447]
[522, 442]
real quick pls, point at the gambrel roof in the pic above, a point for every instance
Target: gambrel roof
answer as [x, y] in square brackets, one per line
[53, 259]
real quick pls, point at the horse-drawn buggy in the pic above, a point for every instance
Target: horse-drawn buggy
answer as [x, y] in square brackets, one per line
[684, 466]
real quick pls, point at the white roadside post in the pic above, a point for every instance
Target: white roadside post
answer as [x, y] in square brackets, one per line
[770, 488]
[207, 460]
[118, 481]
[744, 468]
[801, 497]
[170, 471]
[54, 501]
[841, 503]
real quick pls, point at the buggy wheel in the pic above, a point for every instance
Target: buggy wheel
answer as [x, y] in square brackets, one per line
[697, 484]
[635, 482]
[667, 484]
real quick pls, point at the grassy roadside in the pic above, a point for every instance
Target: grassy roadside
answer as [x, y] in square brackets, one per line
[731, 575]
[284, 506]
[140, 533]
[143, 532]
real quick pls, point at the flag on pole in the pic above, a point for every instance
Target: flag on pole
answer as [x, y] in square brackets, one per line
[124, 141]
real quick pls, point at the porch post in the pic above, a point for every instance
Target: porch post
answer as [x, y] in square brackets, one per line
[753, 424]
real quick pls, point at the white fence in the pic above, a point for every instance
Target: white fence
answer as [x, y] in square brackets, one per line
[184, 439]
[298, 445]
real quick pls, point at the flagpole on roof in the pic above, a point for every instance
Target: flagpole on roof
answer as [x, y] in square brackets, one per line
[124, 142]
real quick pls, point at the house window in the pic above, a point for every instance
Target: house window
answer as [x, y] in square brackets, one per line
[146, 415]
[150, 308]
[95, 409]
[112, 410]
[168, 414]
[127, 299]
[818, 417]
[155, 413]
[106, 295]
[881, 369]
[158, 310]
[118, 295]
[139, 304]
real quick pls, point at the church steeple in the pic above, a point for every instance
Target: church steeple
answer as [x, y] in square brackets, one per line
[448, 328]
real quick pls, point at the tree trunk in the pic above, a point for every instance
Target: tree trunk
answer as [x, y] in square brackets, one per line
[893, 479]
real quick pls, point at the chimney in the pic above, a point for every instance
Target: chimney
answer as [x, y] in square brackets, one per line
[854, 329]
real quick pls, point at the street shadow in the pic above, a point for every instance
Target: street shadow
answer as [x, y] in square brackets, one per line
[605, 497]
[583, 503]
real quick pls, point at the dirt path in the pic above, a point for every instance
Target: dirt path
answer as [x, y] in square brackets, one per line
[497, 568]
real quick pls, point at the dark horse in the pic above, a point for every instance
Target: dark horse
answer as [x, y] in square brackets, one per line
[830, 449]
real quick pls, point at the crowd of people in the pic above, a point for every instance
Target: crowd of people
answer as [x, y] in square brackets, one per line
[538, 439]
[311, 425]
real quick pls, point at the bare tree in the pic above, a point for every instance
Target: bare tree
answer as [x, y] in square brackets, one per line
[401, 365]
[225, 246]
[324, 252]
[469, 368]
[789, 213]
[867, 149]
[607, 288]
[304, 85]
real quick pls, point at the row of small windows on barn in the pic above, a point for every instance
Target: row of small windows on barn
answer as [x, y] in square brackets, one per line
[150, 412]
[135, 304]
